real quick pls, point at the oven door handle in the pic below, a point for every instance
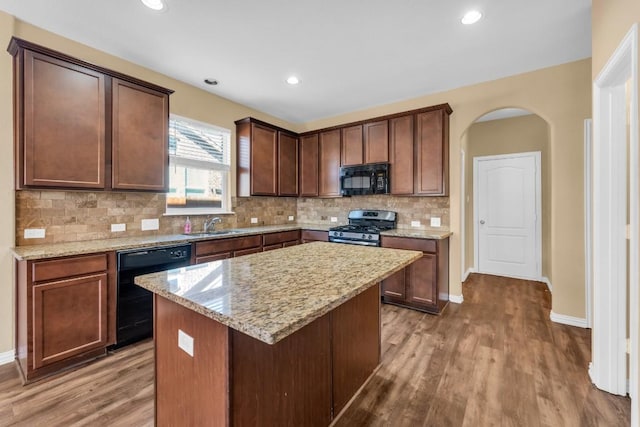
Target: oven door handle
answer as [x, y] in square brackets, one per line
[354, 242]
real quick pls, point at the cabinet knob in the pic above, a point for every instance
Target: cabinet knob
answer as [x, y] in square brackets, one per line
[482, 221]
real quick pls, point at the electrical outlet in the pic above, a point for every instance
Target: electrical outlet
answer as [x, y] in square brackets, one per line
[118, 227]
[290, 217]
[415, 223]
[435, 221]
[254, 220]
[34, 233]
[150, 224]
[185, 342]
[334, 219]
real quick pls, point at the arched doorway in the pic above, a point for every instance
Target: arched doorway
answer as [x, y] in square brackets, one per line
[506, 132]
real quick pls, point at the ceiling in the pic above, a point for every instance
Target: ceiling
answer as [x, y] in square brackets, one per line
[349, 54]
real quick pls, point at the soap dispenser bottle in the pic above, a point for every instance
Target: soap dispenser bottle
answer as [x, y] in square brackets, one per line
[187, 226]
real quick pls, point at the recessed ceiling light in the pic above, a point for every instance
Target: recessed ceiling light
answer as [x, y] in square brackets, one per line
[293, 80]
[154, 4]
[471, 17]
[210, 81]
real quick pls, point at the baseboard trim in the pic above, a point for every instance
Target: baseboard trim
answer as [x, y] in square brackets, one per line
[457, 299]
[467, 273]
[546, 281]
[579, 322]
[7, 357]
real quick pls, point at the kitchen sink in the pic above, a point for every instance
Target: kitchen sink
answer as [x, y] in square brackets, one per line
[213, 233]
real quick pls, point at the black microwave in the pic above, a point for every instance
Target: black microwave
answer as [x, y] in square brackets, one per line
[364, 179]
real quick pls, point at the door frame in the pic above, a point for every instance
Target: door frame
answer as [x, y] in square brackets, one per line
[537, 156]
[608, 368]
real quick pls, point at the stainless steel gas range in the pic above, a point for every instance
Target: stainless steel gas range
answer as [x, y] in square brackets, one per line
[364, 227]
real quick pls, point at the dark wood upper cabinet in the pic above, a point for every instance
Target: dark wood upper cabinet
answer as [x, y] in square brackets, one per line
[287, 164]
[401, 155]
[60, 137]
[74, 121]
[140, 125]
[267, 162]
[329, 161]
[352, 148]
[309, 165]
[432, 153]
[376, 142]
[264, 160]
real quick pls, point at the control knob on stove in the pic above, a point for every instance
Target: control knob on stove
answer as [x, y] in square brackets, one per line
[370, 237]
[341, 234]
[364, 236]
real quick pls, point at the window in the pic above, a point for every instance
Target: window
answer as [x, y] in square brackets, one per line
[198, 168]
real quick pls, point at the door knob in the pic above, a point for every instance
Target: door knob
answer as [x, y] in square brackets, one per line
[482, 221]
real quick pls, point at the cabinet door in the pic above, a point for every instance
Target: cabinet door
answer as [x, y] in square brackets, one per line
[287, 165]
[140, 129]
[393, 287]
[352, 149]
[329, 172]
[376, 142]
[422, 281]
[215, 257]
[432, 153]
[62, 142]
[69, 318]
[247, 251]
[401, 155]
[264, 160]
[308, 236]
[309, 165]
[272, 247]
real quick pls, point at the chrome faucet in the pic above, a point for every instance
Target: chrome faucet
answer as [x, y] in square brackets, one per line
[211, 223]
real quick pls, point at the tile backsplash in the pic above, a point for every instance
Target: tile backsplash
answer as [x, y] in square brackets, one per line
[69, 216]
[80, 215]
[314, 210]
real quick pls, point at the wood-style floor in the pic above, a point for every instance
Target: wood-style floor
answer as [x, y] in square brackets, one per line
[494, 360]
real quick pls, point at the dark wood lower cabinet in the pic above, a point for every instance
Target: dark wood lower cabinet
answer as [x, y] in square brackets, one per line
[235, 380]
[65, 311]
[218, 249]
[307, 236]
[281, 239]
[424, 285]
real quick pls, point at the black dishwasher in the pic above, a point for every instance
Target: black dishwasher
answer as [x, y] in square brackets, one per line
[134, 308]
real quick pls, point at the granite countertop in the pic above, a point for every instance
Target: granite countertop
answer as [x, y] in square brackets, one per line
[270, 295]
[53, 250]
[432, 233]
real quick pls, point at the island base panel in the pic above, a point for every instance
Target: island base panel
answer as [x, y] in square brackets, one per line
[236, 380]
[190, 390]
[356, 344]
[287, 383]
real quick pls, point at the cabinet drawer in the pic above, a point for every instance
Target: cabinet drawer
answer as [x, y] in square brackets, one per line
[284, 236]
[227, 245]
[68, 267]
[314, 235]
[424, 245]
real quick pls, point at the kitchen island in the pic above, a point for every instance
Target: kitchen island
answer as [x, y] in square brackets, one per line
[284, 337]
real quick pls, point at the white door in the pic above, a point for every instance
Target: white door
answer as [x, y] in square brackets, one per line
[507, 215]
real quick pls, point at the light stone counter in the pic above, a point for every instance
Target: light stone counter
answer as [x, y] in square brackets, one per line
[54, 250]
[271, 295]
[436, 234]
